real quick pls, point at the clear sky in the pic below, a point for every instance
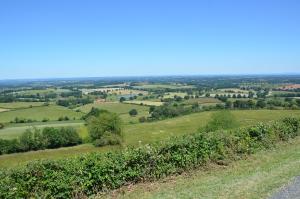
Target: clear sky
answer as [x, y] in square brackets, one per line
[89, 38]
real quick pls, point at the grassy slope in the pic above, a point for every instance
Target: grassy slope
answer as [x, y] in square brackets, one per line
[258, 176]
[12, 160]
[16, 105]
[51, 112]
[149, 132]
[155, 131]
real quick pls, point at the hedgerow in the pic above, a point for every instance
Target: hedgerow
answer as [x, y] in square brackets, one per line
[89, 174]
[37, 139]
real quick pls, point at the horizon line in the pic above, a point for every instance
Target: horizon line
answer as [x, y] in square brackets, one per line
[144, 76]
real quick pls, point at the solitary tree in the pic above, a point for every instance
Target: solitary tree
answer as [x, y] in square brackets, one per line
[133, 112]
[122, 99]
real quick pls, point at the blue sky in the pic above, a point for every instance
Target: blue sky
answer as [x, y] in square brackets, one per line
[88, 38]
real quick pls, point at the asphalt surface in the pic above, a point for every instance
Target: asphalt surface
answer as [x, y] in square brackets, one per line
[290, 191]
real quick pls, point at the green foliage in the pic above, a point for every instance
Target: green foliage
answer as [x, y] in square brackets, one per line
[1, 126]
[88, 174]
[142, 119]
[220, 120]
[106, 128]
[94, 112]
[122, 99]
[133, 112]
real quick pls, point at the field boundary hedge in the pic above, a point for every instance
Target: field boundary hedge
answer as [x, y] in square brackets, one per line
[89, 174]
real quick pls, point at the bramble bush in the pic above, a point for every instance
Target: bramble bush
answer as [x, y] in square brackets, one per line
[89, 174]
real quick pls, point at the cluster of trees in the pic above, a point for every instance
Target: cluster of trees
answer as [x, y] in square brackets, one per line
[100, 94]
[75, 93]
[66, 118]
[36, 139]
[73, 102]
[122, 99]
[7, 98]
[287, 95]
[24, 120]
[170, 110]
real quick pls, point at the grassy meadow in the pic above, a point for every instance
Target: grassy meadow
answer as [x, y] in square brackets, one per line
[51, 112]
[20, 105]
[120, 108]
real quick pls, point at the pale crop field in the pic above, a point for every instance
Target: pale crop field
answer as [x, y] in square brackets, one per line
[144, 102]
[3, 110]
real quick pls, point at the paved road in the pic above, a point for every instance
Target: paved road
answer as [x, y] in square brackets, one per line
[290, 191]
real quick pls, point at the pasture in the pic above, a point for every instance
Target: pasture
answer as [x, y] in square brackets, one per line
[51, 112]
[142, 133]
[173, 94]
[43, 91]
[120, 108]
[20, 105]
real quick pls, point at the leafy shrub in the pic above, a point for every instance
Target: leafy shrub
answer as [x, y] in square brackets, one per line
[142, 119]
[106, 127]
[220, 120]
[89, 174]
[1, 126]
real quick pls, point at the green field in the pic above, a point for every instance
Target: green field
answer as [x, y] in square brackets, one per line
[154, 131]
[173, 94]
[18, 105]
[43, 91]
[120, 108]
[12, 160]
[16, 130]
[143, 133]
[51, 112]
[258, 176]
